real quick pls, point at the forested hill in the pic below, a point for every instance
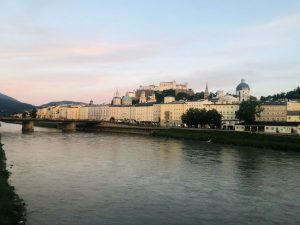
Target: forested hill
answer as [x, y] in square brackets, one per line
[294, 94]
[9, 105]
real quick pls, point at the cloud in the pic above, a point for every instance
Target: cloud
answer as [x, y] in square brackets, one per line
[85, 52]
[276, 25]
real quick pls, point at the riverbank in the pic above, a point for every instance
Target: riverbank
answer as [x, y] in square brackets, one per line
[12, 208]
[233, 138]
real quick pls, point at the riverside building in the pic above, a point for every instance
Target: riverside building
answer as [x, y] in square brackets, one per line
[273, 112]
[293, 110]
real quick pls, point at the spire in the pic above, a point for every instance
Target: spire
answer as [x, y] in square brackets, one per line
[206, 93]
[117, 93]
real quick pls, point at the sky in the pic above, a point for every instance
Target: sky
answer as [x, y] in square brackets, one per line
[86, 49]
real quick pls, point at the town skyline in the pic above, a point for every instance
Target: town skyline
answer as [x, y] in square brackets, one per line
[73, 50]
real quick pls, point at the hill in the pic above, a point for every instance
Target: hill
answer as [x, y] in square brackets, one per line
[9, 105]
[65, 102]
[294, 94]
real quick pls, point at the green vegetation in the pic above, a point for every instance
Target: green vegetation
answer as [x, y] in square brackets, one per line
[196, 117]
[234, 138]
[180, 96]
[11, 207]
[248, 111]
[294, 94]
[160, 95]
[33, 113]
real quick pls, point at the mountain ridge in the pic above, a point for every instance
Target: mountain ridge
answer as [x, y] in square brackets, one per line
[64, 102]
[9, 105]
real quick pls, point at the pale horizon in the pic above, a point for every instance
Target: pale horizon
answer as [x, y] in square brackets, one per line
[82, 50]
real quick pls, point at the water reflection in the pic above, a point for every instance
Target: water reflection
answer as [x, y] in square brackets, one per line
[88, 178]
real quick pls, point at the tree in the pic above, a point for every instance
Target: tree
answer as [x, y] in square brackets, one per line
[33, 113]
[160, 95]
[198, 96]
[135, 101]
[182, 96]
[190, 117]
[214, 118]
[195, 117]
[24, 114]
[248, 111]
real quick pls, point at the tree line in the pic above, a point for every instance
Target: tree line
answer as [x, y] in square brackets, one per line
[294, 94]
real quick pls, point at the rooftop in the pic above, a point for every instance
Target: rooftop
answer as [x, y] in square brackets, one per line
[242, 86]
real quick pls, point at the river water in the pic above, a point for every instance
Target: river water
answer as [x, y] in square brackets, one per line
[106, 178]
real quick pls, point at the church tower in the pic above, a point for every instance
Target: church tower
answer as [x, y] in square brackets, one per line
[117, 98]
[243, 91]
[206, 93]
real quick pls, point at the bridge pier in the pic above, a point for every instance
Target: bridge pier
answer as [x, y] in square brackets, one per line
[68, 127]
[27, 126]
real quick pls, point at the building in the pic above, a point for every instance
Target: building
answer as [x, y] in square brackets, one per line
[273, 111]
[293, 116]
[152, 98]
[99, 112]
[227, 99]
[117, 99]
[73, 113]
[206, 92]
[148, 112]
[293, 105]
[84, 112]
[170, 113]
[201, 104]
[131, 94]
[243, 91]
[293, 110]
[127, 100]
[143, 98]
[270, 127]
[169, 99]
[43, 113]
[165, 86]
[228, 112]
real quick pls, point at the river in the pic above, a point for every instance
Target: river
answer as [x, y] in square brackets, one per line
[108, 178]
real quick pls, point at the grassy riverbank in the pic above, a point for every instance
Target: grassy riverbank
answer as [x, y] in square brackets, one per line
[12, 209]
[234, 138]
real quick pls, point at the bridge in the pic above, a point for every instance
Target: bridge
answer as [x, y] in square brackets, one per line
[65, 124]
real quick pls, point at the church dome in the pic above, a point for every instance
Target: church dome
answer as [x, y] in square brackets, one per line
[242, 86]
[126, 98]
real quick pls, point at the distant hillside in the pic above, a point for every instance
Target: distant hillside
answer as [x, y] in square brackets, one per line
[61, 103]
[9, 105]
[294, 94]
